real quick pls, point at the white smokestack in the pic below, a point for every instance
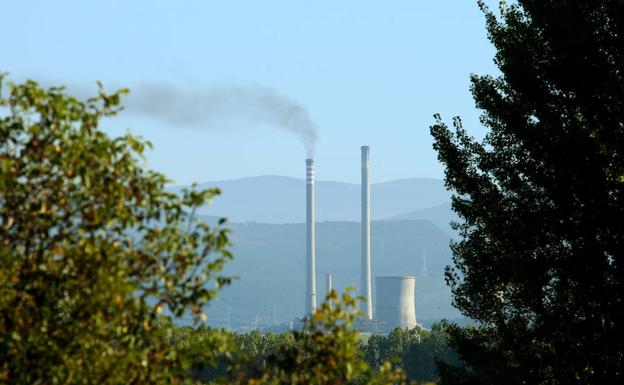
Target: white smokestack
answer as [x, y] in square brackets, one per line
[329, 289]
[310, 299]
[365, 288]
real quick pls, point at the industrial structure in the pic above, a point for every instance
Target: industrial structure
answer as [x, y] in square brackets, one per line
[328, 288]
[395, 302]
[366, 284]
[395, 306]
[310, 299]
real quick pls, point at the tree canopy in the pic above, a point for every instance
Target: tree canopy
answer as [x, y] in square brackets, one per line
[325, 351]
[93, 250]
[541, 199]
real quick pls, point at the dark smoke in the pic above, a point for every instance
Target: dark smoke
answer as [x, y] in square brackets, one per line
[207, 107]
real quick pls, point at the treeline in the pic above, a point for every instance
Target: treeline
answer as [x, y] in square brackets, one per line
[415, 351]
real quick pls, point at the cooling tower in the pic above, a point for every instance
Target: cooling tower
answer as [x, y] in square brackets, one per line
[395, 302]
[365, 284]
[310, 299]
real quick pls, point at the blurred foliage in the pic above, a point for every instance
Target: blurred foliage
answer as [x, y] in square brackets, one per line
[93, 251]
[416, 351]
[325, 351]
[541, 200]
[329, 345]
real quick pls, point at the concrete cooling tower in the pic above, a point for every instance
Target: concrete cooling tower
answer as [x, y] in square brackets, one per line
[395, 302]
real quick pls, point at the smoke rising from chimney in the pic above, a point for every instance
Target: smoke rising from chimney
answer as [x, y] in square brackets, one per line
[207, 107]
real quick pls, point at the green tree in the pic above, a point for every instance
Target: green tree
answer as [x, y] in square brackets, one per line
[93, 250]
[415, 351]
[326, 351]
[258, 347]
[382, 348]
[541, 200]
[420, 358]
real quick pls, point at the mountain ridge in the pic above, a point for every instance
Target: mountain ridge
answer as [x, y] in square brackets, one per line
[269, 260]
[281, 199]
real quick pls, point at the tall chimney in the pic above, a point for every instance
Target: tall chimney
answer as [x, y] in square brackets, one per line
[329, 289]
[310, 299]
[365, 288]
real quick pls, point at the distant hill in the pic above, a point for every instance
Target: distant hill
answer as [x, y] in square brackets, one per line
[278, 199]
[441, 215]
[269, 259]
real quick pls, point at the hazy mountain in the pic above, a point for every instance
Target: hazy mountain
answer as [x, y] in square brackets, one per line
[441, 215]
[277, 199]
[269, 260]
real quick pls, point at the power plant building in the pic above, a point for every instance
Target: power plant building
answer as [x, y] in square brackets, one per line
[395, 302]
[395, 306]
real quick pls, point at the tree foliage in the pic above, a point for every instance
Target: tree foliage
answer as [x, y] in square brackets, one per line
[93, 250]
[326, 351]
[415, 351]
[541, 199]
[251, 354]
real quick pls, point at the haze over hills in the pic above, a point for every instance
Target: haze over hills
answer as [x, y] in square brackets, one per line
[278, 199]
[442, 215]
[410, 236]
[269, 260]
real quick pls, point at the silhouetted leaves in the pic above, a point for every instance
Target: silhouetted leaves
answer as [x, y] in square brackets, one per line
[93, 251]
[541, 200]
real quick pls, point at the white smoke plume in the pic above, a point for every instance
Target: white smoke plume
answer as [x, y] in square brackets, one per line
[207, 107]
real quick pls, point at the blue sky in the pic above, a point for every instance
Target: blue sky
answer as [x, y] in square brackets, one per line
[368, 72]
